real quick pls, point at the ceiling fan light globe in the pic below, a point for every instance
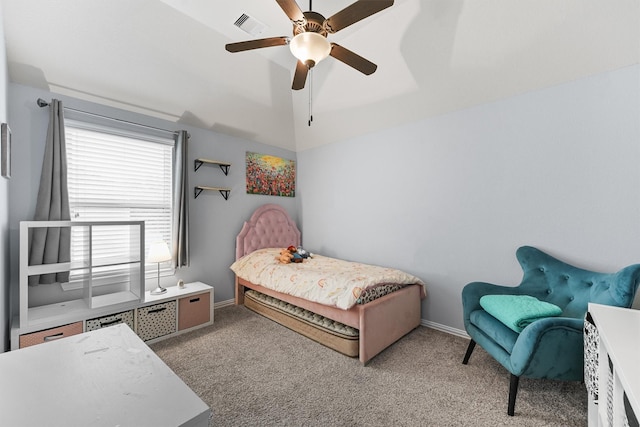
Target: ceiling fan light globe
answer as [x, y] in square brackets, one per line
[310, 48]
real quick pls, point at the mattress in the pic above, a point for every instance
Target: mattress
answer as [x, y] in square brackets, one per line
[335, 335]
[320, 279]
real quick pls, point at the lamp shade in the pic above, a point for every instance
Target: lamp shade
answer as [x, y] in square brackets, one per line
[310, 48]
[159, 252]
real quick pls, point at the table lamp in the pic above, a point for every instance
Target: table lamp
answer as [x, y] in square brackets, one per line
[159, 252]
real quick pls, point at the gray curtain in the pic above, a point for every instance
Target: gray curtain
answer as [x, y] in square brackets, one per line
[180, 242]
[52, 245]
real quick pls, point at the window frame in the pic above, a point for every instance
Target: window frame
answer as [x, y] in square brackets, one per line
[151, 269]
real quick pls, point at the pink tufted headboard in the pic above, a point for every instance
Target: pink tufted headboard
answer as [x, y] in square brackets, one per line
[269, 227]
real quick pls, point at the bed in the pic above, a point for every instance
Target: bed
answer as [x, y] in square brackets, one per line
[363, 330]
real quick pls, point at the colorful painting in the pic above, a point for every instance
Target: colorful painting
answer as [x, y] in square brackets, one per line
[270, 175]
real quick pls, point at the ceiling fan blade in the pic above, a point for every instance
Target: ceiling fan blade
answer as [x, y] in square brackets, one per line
[293, 11]
[352, 59]
[300, 76]
[257, 44]
[354, 13]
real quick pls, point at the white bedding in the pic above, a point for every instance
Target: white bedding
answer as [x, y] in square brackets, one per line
[319, 279]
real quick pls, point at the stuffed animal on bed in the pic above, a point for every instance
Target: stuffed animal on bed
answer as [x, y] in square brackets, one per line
[296, 257]
[292, 254]
[303, 253]
[285, 256]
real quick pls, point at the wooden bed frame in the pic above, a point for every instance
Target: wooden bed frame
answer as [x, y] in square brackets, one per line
[380, 322]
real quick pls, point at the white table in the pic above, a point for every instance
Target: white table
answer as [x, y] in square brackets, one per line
[107, 377]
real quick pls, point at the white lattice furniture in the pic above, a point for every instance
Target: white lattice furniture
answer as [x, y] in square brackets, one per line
[613, 373]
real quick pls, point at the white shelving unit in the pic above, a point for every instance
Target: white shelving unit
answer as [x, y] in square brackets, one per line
[86, 262]
[618, 366]
[96, 301]
[158, 317]
[194, 308]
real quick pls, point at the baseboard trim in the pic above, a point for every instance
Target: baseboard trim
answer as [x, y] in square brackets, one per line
[223, 303]
[444, 328]
[427, 323]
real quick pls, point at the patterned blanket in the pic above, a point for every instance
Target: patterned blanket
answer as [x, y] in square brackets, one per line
[319, 279]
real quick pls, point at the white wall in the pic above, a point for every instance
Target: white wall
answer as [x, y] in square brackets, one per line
[214, 221]
[451, 198]
[4, 205]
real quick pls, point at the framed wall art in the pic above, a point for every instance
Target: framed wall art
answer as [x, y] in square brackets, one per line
[5, 151]
[270, 175]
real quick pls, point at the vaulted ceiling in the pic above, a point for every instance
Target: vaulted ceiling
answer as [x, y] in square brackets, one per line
[166, 58]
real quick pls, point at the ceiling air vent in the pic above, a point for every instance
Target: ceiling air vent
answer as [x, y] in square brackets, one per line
[249, 25]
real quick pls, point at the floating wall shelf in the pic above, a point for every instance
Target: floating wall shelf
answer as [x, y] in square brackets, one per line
[224, 166]
[224, 191]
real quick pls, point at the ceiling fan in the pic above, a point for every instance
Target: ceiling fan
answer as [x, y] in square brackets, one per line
[309, 43]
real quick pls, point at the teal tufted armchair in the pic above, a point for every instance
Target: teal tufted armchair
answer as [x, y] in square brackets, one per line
[551, 347]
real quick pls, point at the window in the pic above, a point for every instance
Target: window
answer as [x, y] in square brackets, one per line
[118, 175]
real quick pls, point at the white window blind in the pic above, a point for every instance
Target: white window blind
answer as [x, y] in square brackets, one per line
[118, 175]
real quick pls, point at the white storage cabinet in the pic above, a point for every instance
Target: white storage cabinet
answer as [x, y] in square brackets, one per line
[87, 300]
[613, 372]
[152, 317]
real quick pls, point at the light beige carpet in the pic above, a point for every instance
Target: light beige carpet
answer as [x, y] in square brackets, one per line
[254, 372]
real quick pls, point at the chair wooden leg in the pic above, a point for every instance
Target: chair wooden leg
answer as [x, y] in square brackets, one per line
[513, 391]
[472, 345]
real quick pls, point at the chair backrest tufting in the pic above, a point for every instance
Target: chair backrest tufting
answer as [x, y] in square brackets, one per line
[572, 288]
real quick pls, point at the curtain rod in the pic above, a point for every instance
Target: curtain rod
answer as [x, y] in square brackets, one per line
[42, 103]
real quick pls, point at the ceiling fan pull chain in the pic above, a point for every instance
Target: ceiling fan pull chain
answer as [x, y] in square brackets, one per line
[310, 95]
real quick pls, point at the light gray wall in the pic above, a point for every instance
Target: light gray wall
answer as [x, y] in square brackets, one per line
[4, 205]
[448, 199]
[451, 198]
[214, 222]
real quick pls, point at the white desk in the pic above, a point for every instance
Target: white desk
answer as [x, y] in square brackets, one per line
[107, 377]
